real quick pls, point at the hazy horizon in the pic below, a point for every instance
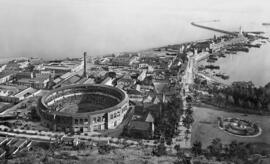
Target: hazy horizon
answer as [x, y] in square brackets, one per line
[66, 28]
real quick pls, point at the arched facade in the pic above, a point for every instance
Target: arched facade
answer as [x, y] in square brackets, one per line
[83, 108]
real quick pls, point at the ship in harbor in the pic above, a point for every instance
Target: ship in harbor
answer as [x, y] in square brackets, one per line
[266, 24]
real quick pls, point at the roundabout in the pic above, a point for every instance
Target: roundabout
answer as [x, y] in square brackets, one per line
[239, 127]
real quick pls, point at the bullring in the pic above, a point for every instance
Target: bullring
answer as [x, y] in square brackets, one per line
[83, 108]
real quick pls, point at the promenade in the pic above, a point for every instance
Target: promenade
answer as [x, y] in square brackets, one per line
[184, 136]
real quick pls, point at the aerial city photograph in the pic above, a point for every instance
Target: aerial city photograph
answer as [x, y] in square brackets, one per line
[134, 82]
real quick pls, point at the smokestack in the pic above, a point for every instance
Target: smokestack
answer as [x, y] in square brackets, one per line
[84, 64]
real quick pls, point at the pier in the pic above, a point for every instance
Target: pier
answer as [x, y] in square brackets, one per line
[214, 29]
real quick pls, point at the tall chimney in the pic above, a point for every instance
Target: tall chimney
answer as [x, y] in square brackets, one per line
[84, 64]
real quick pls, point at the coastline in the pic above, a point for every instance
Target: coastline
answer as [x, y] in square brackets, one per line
[6, 60]
[239, 66]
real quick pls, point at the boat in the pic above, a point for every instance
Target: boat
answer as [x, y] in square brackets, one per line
[253, 45]
[243, 49]
[266, 24]
[212, 57]
[212, 67]
[223, 76]
[210, 60]
[221, 54]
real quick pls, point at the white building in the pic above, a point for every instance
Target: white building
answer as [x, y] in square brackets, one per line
[142, 76]
[107, 81]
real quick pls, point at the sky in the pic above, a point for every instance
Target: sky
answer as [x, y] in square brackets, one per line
[67, 28]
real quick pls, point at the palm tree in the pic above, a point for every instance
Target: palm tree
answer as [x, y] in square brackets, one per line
[160, 150]
[242, 152]
[187, 121]
[197, 148]
[177, 147]
[189, 111]
[216, 147]
[233, 148]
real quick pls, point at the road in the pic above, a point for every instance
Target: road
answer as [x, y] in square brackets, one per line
[12, 110]
[183, 138]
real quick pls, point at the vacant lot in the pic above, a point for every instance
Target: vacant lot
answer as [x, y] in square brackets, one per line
[205, 127]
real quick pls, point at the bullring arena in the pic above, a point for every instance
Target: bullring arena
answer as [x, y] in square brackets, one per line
[83, 108]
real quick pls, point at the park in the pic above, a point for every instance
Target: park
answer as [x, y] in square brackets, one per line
[206, 127]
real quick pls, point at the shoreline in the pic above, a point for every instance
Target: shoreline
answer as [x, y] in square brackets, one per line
[227, 74]
[7, 59]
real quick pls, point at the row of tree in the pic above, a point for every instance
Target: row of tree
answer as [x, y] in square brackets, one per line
[167, 123]
[240, 94]
[232, 152]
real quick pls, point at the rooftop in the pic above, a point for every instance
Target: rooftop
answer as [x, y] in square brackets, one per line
[6, 73]
[33, 80]
[72, 80]
[11, 90]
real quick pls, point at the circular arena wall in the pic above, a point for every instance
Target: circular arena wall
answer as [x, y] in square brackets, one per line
[83, 108]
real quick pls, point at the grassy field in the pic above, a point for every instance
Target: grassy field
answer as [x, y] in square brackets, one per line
[205, 127]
